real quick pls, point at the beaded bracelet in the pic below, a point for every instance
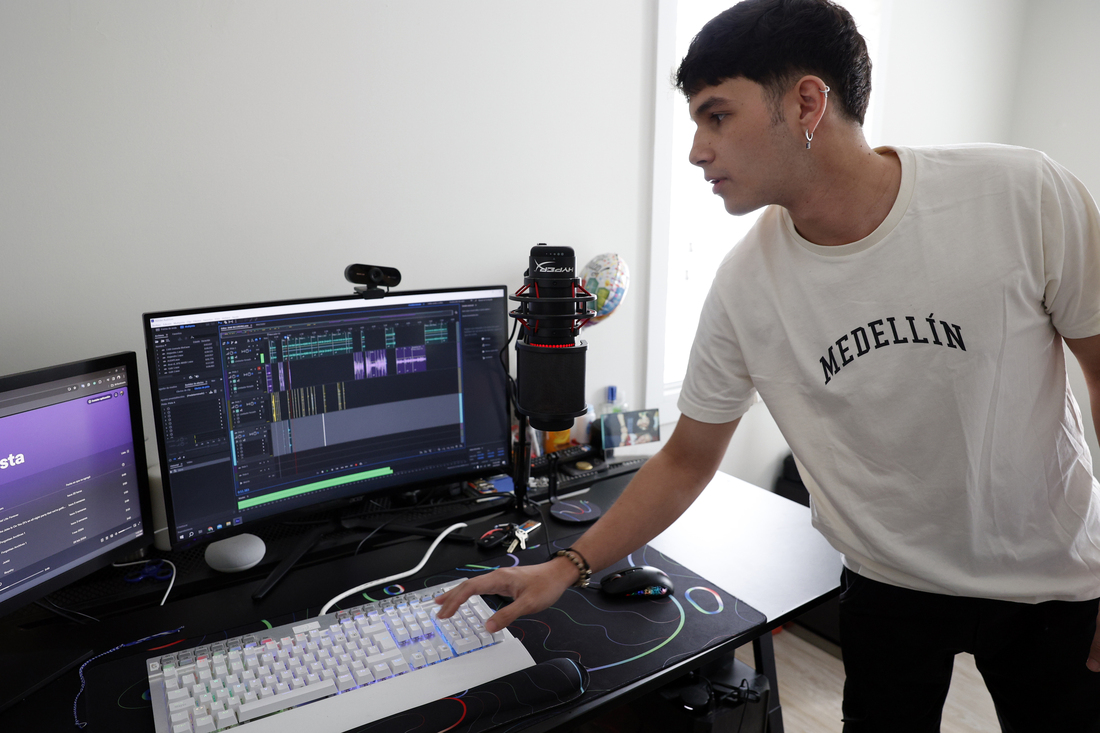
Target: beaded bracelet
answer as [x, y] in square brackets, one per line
[582, 565]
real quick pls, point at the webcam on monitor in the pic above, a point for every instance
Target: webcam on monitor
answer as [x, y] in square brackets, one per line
[371, 278]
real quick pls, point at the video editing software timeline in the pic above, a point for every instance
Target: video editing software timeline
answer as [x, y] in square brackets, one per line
[268, 407]
[72, 474]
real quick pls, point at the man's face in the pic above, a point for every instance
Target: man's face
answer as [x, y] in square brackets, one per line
[746, 153]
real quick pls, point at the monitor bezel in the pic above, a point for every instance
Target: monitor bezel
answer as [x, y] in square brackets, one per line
[127, 359]
[335, 503]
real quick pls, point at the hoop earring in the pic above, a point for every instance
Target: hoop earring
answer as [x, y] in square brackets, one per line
[810, 135]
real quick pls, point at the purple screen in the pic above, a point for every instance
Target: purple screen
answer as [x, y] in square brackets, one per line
[53, 436]
[68, 490]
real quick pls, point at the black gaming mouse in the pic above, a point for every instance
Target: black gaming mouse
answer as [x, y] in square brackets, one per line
[641, 581]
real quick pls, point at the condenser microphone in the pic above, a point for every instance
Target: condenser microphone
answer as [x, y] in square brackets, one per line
[549, 357]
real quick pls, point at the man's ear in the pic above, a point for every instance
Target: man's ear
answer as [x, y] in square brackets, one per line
[813, 98]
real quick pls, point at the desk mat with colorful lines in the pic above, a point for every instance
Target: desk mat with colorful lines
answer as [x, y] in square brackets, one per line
[585, 646]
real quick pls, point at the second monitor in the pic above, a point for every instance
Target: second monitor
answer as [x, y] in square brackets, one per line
[268, 407]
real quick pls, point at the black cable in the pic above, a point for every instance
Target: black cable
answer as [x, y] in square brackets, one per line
[552, 477]
[741, 695]
[752, 697]
[409, 508]
[511, 382]
[372, 534]
[418, 505]
[465, 500]
[543, 509]
[378, 507]
[63, 612]
[80, 672]
[379, 527]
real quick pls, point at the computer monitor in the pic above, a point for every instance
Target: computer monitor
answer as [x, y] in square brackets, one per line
[270, 407]
[73, 496]
[73, 482]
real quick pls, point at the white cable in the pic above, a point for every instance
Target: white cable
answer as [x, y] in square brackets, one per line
[405, 574]
[171, 582]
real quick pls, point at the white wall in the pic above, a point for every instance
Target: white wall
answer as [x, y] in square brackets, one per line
[180, 154]
[158, 155]
[1055, 107]
[950, 71]
[1056, 111]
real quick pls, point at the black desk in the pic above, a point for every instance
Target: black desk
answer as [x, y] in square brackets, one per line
[796, 545]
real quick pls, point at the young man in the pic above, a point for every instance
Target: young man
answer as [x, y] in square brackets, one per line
[902, 313]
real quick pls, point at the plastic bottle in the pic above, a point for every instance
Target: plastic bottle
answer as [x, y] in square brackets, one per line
[613, 404]
[555, 440]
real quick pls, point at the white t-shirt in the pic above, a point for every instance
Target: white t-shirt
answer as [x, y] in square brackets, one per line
[918, 377]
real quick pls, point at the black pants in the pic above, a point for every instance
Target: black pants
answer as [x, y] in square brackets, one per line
[899, 649]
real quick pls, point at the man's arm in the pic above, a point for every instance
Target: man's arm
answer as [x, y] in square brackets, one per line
[1087, 351]
[661, 491]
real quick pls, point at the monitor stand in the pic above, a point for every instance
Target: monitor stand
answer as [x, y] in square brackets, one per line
[296, 553]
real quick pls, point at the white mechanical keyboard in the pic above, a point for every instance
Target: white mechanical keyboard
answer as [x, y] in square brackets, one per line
[334, 672]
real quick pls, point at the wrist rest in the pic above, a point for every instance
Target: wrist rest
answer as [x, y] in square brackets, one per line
[529, 692]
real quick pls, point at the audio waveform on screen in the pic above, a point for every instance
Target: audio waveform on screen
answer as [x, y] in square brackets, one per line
[307, 401]
[435, 333]
[287, 377]
[312, 346]
[370, 363]
[411, 359]
[303, 401]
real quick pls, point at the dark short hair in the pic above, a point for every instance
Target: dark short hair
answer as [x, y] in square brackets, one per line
[773, 42]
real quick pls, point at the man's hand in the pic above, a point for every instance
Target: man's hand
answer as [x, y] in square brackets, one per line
[663, 488]
[532, 588]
